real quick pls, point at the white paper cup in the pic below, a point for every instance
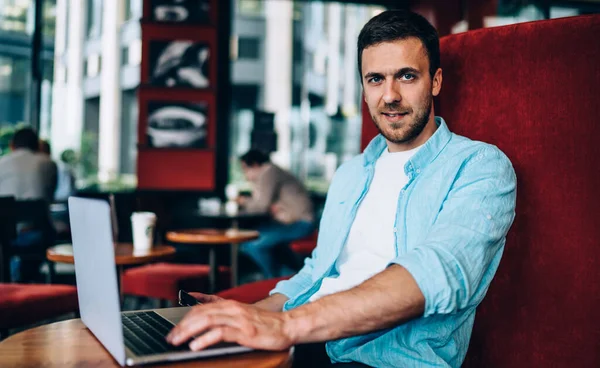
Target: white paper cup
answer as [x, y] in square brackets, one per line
[231, 192]
[142, 225]
[231, 208]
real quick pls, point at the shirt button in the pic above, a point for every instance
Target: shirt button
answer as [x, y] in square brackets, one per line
[489, 217]
[395, 230]
[418, 171]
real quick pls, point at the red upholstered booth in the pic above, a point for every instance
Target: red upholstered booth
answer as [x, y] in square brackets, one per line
[533, 90]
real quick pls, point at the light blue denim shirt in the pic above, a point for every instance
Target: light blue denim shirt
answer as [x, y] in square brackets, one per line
[450, 229]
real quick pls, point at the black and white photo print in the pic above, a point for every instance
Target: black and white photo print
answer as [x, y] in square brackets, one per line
[181, 11]
[179, 64]
[177, 125]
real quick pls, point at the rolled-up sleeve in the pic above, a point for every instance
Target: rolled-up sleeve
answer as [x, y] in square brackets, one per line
[299, 282]
[458, 258]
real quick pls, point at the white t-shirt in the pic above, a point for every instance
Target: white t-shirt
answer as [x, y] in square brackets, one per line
[370, 244]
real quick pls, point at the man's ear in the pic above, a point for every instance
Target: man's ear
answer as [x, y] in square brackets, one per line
[437, 82]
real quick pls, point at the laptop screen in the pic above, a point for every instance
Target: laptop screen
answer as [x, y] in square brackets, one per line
[95, 271]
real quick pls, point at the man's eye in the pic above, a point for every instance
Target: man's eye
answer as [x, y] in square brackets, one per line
[374, 80]
[407, 76]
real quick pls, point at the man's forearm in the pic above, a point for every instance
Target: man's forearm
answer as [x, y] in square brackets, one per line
[273, 303]
[382, 301]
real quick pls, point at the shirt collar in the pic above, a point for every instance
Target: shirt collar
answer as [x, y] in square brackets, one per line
[428, 152]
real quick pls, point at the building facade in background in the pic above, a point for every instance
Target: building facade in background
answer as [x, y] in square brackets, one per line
[294, 59]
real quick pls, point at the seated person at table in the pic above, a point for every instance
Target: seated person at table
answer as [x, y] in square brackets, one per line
[411, 236]
[26, 173]
[279, 192]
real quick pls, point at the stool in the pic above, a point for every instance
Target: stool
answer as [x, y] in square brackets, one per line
[164, 280]
[252, 292]
[22, 304]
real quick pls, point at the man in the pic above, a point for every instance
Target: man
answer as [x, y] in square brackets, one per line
[25, 174]
[280, 193]
[395, 279]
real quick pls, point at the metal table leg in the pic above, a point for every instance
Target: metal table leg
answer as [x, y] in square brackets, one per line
[234, 264]
[212, 276]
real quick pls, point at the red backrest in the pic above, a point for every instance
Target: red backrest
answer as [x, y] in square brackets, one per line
[533, 90]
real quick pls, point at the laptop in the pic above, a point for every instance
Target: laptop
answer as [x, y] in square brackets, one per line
[132, 338]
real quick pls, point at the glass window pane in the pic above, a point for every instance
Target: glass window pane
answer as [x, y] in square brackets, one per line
[17, 16]
[49, 19]
[297, 60]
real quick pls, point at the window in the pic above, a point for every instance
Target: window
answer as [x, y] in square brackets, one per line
[248, 48]
[317, 112]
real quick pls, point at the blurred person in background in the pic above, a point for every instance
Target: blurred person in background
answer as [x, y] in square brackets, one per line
[28, 174]
[25, 173]
[280, 193]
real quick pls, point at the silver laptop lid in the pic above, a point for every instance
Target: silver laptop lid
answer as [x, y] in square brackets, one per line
[95, 271]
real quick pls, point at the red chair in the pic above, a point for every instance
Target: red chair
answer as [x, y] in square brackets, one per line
[305, 246]
[252, 292]
[23, 304]
[164, 280]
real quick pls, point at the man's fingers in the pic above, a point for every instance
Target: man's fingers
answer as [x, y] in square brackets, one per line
[197, 323]
[205, 298]
[214, 336]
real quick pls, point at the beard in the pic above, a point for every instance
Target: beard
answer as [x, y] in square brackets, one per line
[406, 131]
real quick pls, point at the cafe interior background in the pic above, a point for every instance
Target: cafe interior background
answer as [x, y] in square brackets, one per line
[95, 78]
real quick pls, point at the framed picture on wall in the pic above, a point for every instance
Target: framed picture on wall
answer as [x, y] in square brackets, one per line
[173, 124]
[179, 63]
[182, 11]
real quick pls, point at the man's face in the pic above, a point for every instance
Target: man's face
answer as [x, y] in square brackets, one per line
[251, 172]
[399, 91]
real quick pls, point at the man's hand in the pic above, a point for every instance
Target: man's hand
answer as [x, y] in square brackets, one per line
[231, 321]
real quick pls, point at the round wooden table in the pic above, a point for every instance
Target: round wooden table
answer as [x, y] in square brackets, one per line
[214, 238]
[70, 343]
[125, 255]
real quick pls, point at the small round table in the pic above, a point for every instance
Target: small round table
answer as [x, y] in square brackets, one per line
[214, 238]
[70, 343]
[125, 255]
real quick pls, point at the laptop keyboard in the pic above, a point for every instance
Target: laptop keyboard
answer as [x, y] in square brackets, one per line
[145, 333]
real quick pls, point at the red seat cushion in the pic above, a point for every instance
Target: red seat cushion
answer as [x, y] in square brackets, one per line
[164, 280]
[252, 292]
[305, 245]
[21, 304]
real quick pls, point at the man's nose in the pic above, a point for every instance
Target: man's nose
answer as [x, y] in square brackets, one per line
[391, 94]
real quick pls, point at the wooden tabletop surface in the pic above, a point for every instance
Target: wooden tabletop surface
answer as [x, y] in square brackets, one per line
[69, 344]
[124, 254]
[211, 236]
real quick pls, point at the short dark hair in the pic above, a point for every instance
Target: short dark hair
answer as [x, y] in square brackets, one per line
[45, 147]
[26, 138]
[254, 157]
[393, 25]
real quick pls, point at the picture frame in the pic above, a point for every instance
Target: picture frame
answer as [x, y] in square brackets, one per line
[182, 58]
[179, 120]
[197, 12]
